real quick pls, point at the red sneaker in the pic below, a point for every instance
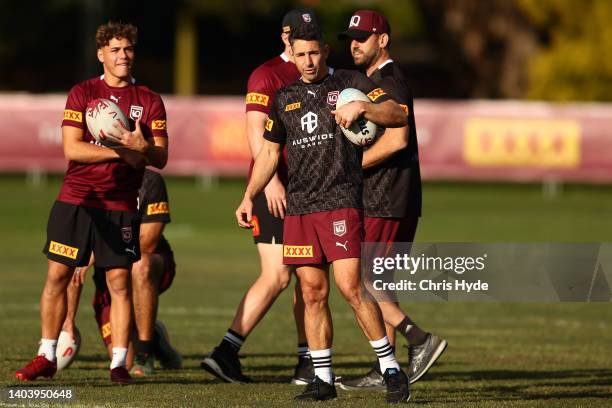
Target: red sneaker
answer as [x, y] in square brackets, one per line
[120, 375]
[39, 367]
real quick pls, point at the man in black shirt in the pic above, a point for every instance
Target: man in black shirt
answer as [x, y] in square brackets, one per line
[324, 222]
[392, 189]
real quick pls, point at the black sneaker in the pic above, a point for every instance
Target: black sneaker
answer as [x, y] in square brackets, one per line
[169, 358]
[423, 356]
[318, 390]
[304, 372]
[397, 386]
[225, 366]
[372, 380]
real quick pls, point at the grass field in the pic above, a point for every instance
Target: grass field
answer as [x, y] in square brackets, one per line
[499, 354]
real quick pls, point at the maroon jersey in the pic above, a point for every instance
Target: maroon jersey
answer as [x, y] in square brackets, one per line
[263, 83]
[114, 184]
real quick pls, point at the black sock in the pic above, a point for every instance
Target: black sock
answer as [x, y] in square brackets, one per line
[145, 347]
[232, 341]
[411, 331]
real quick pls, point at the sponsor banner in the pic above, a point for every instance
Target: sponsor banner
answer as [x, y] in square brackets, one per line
[521, 272]
[469, 140]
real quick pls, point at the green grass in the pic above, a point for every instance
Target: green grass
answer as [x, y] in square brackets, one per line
[499, 354]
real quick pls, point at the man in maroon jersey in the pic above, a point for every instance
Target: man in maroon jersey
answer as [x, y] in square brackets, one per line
[268, 215]
[96, 207]
[324, 222]
[392, 190]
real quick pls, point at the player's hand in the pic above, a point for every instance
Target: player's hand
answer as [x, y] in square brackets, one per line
[78, 277]
[275, 196]
[131, 140]
[349, 113]
[244, 213]
[134, 159]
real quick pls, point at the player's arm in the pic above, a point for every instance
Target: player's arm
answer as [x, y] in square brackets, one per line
[275, 190]
[389, 143]
[150, 234]
[387, 114]
[263, 170]
[154, 152]
[76, 149]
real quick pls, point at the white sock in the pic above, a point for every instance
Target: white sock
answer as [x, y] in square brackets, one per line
[386, 357]
[321, 360]
[119, 356]
[47, 348]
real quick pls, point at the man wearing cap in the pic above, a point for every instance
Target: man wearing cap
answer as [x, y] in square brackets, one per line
[392, 189]
[268, 214]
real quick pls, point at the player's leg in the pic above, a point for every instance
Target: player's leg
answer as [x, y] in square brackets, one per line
[146, 275]
[341, 234]
[369, 317]
[314, 282]
[169, 358]
[118, 282]
[67, 246]
[424, 348]
[303, 372]
[274, 277]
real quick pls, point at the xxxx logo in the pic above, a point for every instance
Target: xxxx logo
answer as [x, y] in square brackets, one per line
[293, 106]
[106, 330]
[73, 115]
[158, 208]
[375, 94]
[257, 98]
[63, 250]
[298, 251]
[159, 124]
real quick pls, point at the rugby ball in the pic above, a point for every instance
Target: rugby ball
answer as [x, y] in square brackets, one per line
[362, 132]
[67, 348]
[101, 115]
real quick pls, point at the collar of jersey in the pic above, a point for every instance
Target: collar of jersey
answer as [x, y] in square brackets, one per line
[116, 87]
[389, 61]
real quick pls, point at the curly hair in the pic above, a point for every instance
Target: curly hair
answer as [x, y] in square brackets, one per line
[113, 29]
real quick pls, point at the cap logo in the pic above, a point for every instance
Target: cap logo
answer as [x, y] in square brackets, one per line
[355, 21]
[306, 17]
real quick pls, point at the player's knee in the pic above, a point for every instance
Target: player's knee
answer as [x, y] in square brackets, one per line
[58, 278]
[283, 278]
[142, 271]
[314, 294]
[352, 294]
[119, 285]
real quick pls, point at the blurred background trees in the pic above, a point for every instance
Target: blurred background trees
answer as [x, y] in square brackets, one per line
[537, 49]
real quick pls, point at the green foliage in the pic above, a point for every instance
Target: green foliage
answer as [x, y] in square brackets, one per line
[576, 61]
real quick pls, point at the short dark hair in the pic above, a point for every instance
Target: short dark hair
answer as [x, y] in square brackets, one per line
[306, 32]
[113, 29]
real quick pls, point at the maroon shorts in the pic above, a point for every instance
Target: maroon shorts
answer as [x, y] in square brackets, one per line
[102, 299]
[390, 229]
[323, 237]
[380, 235]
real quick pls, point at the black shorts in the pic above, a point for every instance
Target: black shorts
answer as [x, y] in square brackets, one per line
[267, 229]
[73, 232]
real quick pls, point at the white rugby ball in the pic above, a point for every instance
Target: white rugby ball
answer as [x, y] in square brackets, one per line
[100, 116]
[67, 348]
[362, 132]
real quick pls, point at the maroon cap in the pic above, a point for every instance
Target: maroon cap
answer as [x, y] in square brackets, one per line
[363, 23]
